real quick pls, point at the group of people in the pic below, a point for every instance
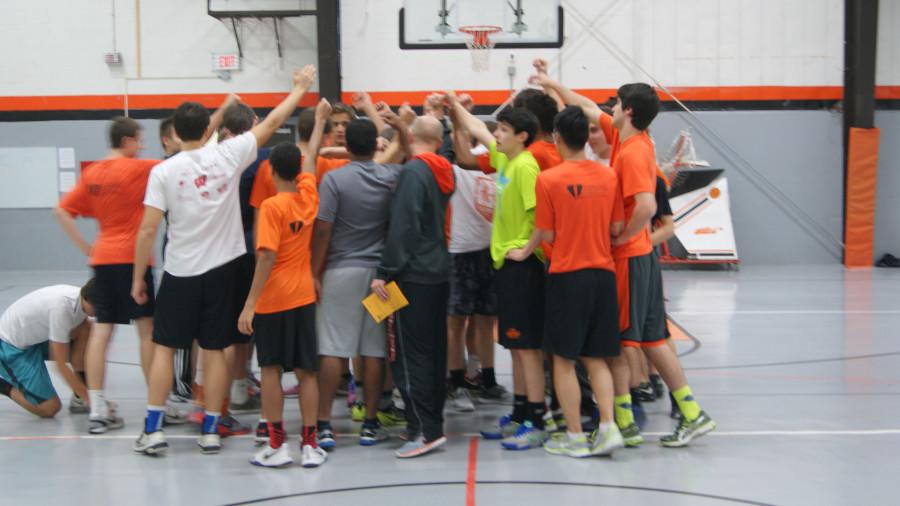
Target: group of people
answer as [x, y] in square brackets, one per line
[537, 231]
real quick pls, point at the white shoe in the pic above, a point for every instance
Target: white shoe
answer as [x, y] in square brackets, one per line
[151, 444]
[173, 416]
[312, 457]
[103, 424]
[270, 457]
[209, 443]
[398, 399]
[461, 400]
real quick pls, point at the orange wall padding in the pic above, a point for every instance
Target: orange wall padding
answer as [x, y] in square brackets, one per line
[862, 179]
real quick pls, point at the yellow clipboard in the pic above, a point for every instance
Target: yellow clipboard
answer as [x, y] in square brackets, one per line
[381, 309]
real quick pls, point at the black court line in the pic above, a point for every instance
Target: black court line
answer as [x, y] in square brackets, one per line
[498, 482]
[792, 362]
[696, 344]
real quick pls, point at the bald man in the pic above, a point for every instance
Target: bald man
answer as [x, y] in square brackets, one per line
[415, 255]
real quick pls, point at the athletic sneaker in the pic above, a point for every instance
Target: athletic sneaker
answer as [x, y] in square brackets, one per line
[358, 412]
[562, 444]
[326, 438]
[101, 425]
[77, 406]
[418, 447]
[461, 400]
[495, 393]
[632, 435]
[527, 436]
[230, 426]
[473, 383]
[659, 388]
[559, 419]
[173, 416]
[312, 457]
[271, 457]
[196, 416]
[153, 443]
[209, 443]
[371, 435]
[391, 417]
[398, 399]
[292, 392]
[640, 416]
[504, 428]
[688, 431]
[252, 405]
[644, 392]
[607, 442]
[550, 424]
[262, 434]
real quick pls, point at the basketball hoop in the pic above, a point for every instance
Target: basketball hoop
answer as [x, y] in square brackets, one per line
[480, 44]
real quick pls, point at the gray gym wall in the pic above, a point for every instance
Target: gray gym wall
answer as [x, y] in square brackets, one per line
[800, 151]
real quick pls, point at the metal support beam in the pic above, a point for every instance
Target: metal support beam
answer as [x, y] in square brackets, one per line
[860, 44]
[329, 40]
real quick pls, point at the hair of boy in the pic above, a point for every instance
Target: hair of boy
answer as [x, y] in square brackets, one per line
[166, 127]
[191, 121]
[643, 101]
[238, 118]
[307, 121]
[520, 120]
[526, 95]
[285, 160]
[572, 127]
[88, 291]
[120, 128]
[542, 105]
[342, 108]
[362, 137]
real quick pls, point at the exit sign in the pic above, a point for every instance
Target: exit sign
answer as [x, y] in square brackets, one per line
[225, 61]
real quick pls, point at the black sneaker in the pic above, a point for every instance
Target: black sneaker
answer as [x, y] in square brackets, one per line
[659, 388]
[888, 260]
[644, 393]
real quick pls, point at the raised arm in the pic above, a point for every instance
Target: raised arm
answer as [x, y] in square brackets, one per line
[303, 80]
[323, 112]
[215, 121]
[591, 110]
[464, 119]
[399, 148]
[540, 66]
[363, 102]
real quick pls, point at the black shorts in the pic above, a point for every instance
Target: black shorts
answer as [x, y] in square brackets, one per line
[646, 306]
[582, 316]
[520, 304]
[472, 284]
[112, 297]
[287, 339]
[204, 307]
[246, 267]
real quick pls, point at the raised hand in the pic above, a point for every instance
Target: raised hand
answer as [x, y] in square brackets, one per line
[540, 65]
[407, 114]
[361, 100]
[305, 78]
[323, 110]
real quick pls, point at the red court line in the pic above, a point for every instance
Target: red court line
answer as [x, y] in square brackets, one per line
[470, 478]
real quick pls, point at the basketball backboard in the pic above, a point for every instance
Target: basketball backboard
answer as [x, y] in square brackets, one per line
[435, 24]
[260, 8]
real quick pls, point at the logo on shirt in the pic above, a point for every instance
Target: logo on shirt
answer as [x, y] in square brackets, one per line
[296, 226]
[575, 190]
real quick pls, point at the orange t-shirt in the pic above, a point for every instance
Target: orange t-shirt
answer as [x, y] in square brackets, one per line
[612, 136]
[635, 166]
[112, 192]
[285, 227]
[264, 185]
[578, 201]
[546, 154]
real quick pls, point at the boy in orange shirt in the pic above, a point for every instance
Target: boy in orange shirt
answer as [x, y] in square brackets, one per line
[281, 306]
[579, 210]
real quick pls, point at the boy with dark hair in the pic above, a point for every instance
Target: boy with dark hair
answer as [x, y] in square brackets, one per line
[280, 308]
[171, 144]
[415, 255]
[639, 279]
[50, 323]
[199, 291]
[544, 109]
[520, 276]
[579, 210]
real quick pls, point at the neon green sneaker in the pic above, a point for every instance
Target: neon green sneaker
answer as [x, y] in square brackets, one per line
[358, 412]
[688, 431]
[632, 436]
[391, 417]
[562, 444]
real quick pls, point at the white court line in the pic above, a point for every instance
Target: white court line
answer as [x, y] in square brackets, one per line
[736, 433]
[785, 312]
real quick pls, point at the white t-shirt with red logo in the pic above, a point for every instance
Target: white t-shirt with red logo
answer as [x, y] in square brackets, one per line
[472, 207]
[199, 191]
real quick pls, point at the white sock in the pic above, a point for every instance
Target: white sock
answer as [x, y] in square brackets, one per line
[239, 394]
[98, 404]
[473, 365]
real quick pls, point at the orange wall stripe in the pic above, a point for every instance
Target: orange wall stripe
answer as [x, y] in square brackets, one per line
[395, 98]
[862, 180]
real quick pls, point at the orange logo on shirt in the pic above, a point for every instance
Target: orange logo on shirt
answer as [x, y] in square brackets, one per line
[513, 333]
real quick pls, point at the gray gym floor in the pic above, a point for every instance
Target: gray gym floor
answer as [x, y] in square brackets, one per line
[800, 366]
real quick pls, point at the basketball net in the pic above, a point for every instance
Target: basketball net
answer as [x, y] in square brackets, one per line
[480, 44]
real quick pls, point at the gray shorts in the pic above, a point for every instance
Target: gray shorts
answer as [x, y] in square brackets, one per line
[647, 310]
[343, 326]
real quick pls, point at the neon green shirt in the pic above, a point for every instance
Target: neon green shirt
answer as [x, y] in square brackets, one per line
[514, 203]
